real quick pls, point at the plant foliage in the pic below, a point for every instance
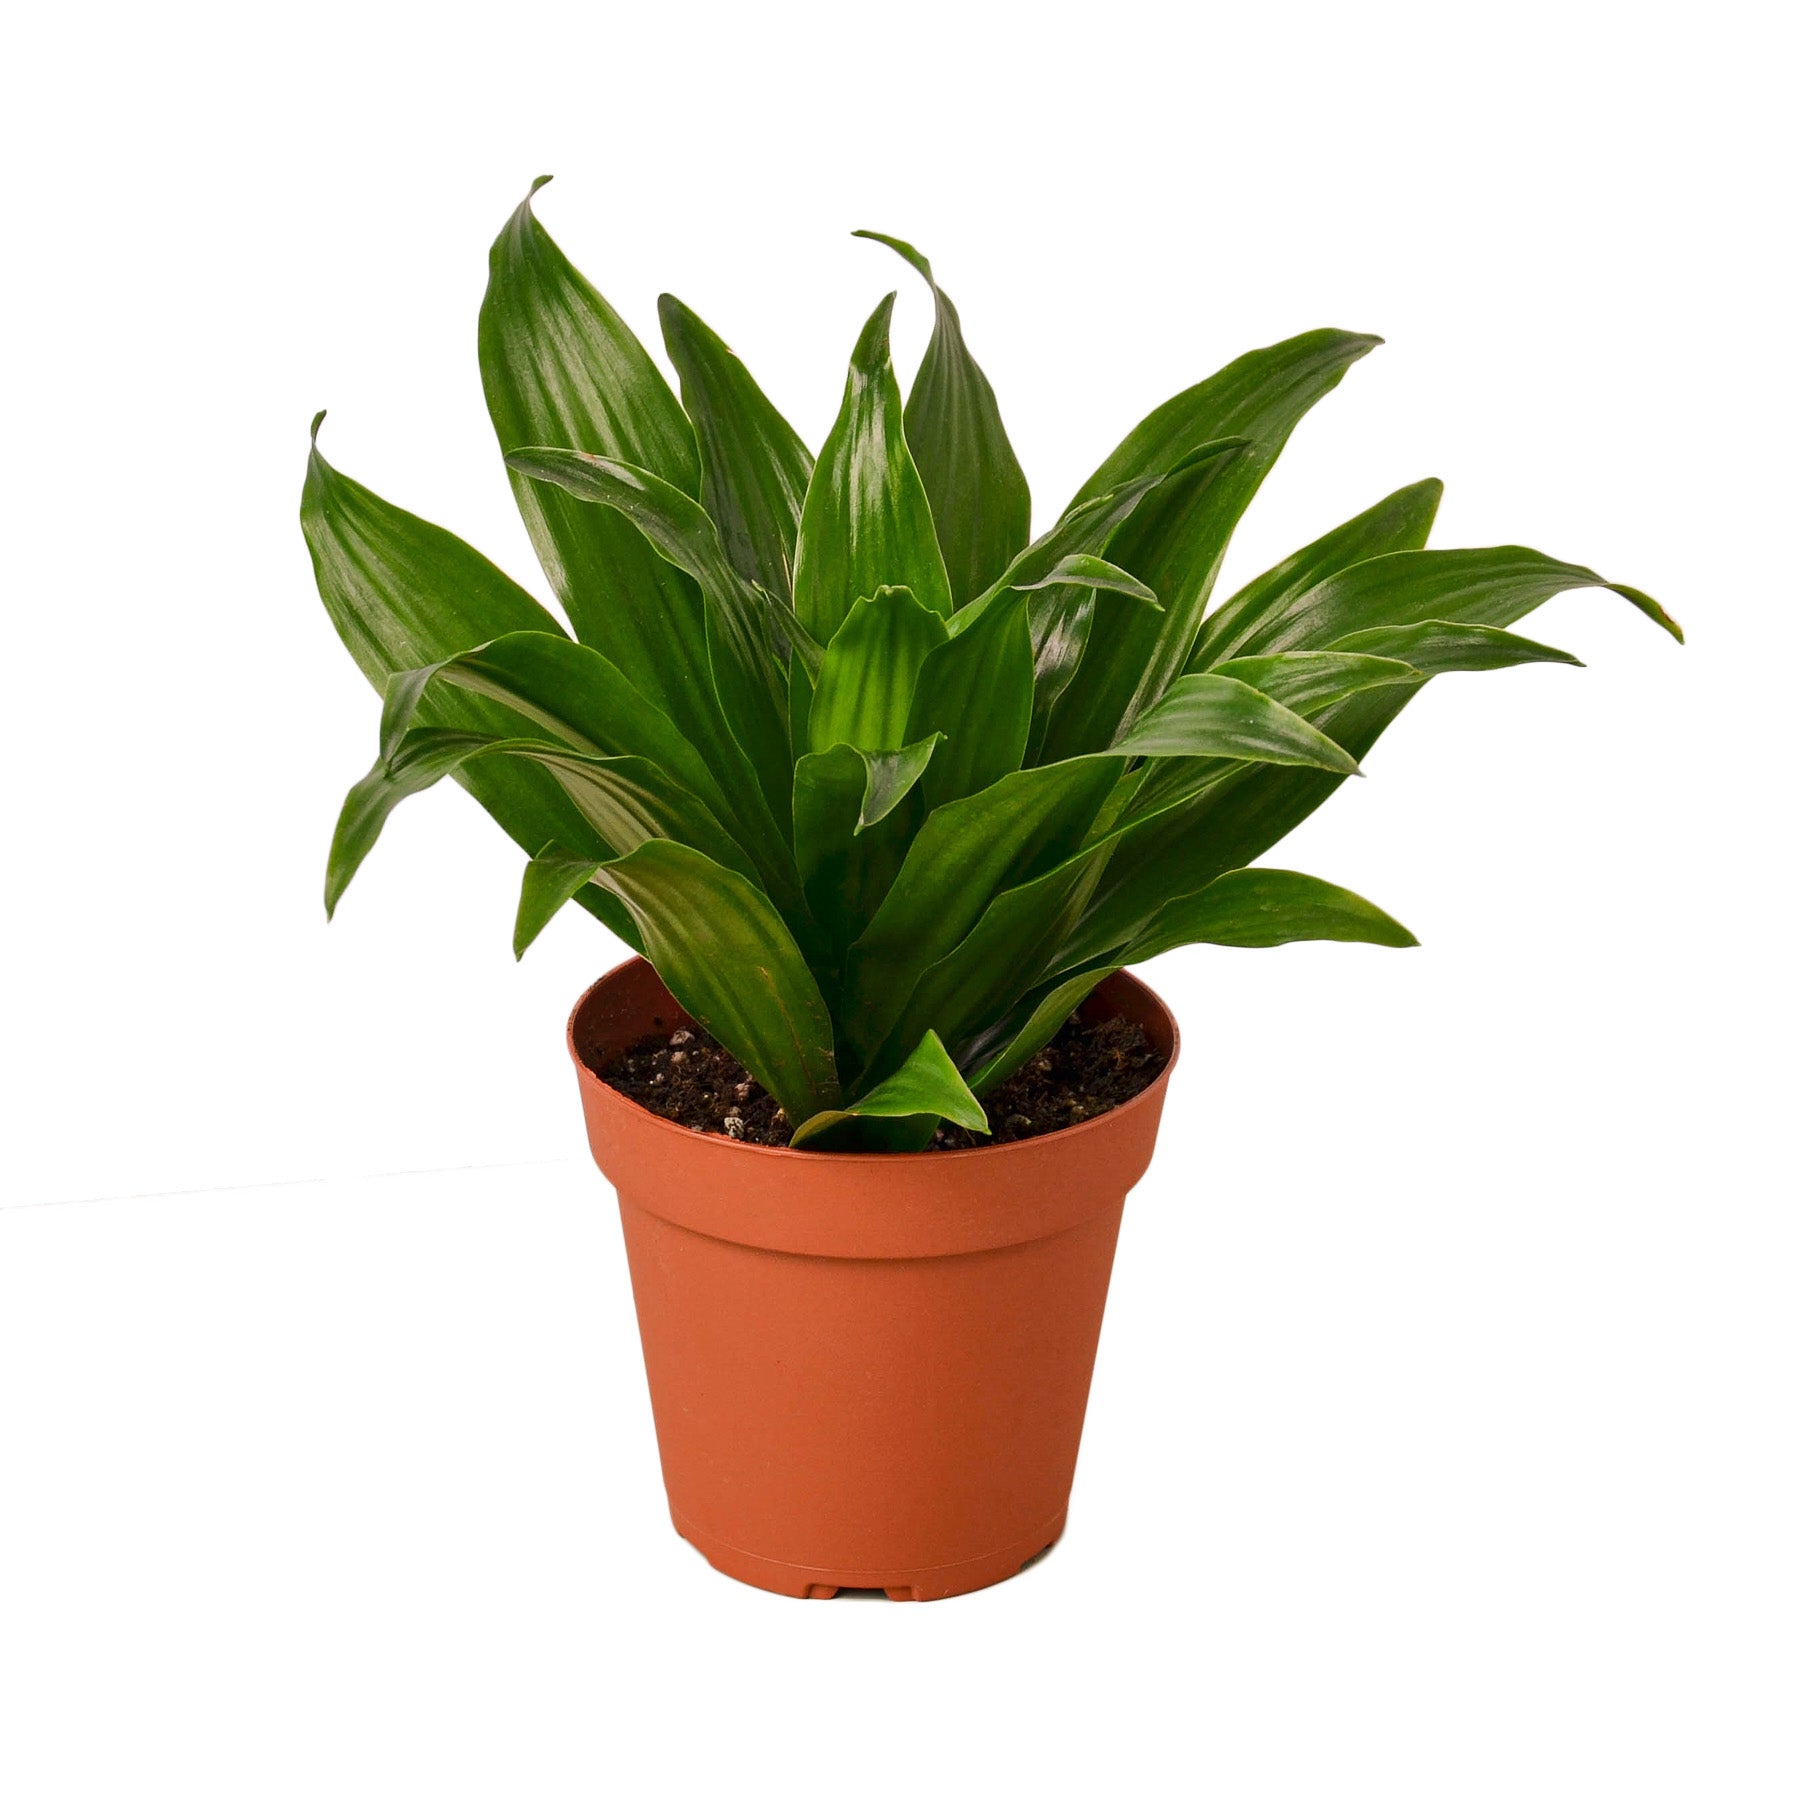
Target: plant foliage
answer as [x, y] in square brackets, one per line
[882, 785]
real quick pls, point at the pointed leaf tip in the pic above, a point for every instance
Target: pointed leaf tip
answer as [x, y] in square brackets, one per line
[318, 420]
[542, 181]
[870, 356]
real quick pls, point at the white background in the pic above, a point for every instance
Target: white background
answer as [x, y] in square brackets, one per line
[1443, 1441]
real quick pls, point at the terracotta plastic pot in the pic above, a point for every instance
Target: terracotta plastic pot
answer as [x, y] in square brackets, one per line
[866, 1371]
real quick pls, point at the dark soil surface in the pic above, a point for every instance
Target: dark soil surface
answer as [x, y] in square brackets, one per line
[1088, 1068]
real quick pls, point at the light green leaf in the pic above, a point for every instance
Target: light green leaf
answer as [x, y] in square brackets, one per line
[925, 1086]
[753, 467]
[1176, 540]
[1400, 522]
[1256, 909]
[865, 687]
[1212, 715]
[866, 522]
[979, 499]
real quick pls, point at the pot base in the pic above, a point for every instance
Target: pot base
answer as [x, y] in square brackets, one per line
[798, 1582]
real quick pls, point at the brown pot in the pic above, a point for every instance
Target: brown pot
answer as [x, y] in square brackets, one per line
[867, 1371]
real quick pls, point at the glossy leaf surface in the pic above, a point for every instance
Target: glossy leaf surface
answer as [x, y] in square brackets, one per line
[979, 499]
[865, 688]
[926, 1087]
[1176, 540]
[866, 522]
[1400, 522]
[754, 469]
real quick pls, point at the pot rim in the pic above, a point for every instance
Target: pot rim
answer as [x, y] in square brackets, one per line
[1149, 1095]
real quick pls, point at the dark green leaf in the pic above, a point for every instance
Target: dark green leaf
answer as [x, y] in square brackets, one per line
[1212, 715]
[1310, 680]
[866, 522]
[553, 877]
[926, 1086]
[753, 466]
[1413, 587]
[727, 957]
[1062, 615]
[977, 490]
[740, 659]
[1233, 822]
[1008, 1048]
[964, 855]
[976, 689]
[1258, 908]
[1176, 540]
[402, 593]
[1306, 681]
[1400, 522]
[1440, 648]
[847, 840]
[623, 800]
[560, 367]
[865, 687]
[978, 980]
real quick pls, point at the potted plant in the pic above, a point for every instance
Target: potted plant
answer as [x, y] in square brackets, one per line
[887, 795]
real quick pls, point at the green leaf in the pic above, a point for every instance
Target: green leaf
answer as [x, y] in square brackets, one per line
[976, 689]
[553, 877]
[847, 840]
[560, 367]
[1414, 587]
[1400, 522]
[402, 592]
[563, 688]
[753, 467]
[927, 1085]
[723, 951]
[1234, 821]
[1307, 682]
[1212, 715]
[1062, 615]
[866, 522]
[865, 687]
[1095, 572]
[1257, 908]
[1440, 648]
[1011, 1046]
[1009, 946]
[1176, 540]
[1310, 680]
[740, 661]
[964, 854]
[979, 499]
[623, 800]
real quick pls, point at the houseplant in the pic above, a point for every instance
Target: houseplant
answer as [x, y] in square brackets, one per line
[882, 790]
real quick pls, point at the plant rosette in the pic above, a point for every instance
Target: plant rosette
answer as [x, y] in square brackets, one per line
[882, 790]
